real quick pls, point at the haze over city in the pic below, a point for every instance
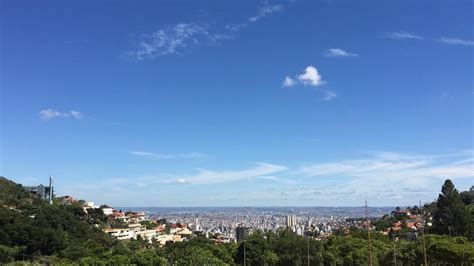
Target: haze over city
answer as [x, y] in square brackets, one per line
[231, 103]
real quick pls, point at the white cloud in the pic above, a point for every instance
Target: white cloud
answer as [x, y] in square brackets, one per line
[311, 77]
[266, 11]
[173, 39]
[446, 40]
[336, 52]
[288, 82]
[457, 41]
[211, 177]
[401, 35]
[387, 177]
[383, 178]
[396, 167]
[76, 114]
[48, 114]
[188, 155]
[329, 96]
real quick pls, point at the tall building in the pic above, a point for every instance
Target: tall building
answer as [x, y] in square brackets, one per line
[43, 192]
[291, 221]
[240, 233]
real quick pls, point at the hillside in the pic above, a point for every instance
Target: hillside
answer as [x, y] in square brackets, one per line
[12, 194]
[63, 234]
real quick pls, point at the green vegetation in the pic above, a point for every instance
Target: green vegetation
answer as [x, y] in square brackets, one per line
[13, 195]
[451, 216]
[34, 232]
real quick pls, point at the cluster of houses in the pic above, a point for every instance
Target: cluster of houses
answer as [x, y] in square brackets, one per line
[129, 225]
[157, 234]
[413, 222]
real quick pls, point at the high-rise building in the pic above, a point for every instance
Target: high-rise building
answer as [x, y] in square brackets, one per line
[291, 221]
[240, 233]
[43, 192]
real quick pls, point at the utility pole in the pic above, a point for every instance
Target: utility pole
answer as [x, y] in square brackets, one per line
[245, 258]
[394, 255]
[308, 251]
[368, 233]
[423, 235]
[50, 190]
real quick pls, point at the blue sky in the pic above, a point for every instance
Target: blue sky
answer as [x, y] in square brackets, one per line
[238, 103]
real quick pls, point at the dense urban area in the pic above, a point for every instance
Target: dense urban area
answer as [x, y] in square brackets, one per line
[38, 228]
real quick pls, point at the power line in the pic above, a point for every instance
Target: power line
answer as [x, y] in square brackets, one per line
[368, 233]
[423, 235]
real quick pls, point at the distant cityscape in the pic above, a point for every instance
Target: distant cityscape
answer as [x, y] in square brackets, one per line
[233, 230]
[224, 224]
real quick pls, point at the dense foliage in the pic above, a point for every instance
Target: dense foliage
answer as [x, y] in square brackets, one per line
[64, 234]
[451, 217]
[12, 194]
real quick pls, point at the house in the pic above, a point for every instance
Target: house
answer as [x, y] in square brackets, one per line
[107, 210]
[67, 200]
[120, 233]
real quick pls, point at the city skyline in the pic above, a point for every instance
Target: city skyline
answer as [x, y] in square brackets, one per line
[272, 103]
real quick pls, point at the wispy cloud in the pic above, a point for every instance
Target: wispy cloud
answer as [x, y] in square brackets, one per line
[175, 39]
[329, 96]
[188, 155]
[456, 41]
[48, 114]
[396, 167]
[402, 35]
[261, 170]
[266, 11]
[383, 178]
[336, 52]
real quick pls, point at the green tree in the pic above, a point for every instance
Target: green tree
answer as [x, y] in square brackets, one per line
[147, 257]
[450, 216]
[8, 254]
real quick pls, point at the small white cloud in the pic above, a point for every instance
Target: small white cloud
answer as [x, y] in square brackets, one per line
[457, 41]
[336, 52]
[76, 114]
[288, 82]
[329, 96]
[401, 35]
[266, 11]
[47, 114]
[50, 113]
[182, 180]
[311, 77]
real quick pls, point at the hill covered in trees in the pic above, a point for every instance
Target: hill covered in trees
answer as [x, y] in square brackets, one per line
[35, 232]
[13, 195]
